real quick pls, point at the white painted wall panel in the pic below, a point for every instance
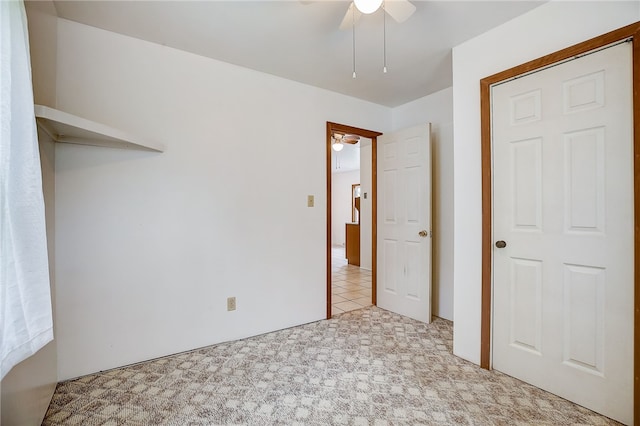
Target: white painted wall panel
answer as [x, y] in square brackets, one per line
[525, 108]
[391, 273]
[526, 184]
[151, 245]
[583, 93]
[365, 207]
[388, 195]
[341, 203]
[584, 194]
[584, 299]
[414, 270]
[525, 304]
[411, 186]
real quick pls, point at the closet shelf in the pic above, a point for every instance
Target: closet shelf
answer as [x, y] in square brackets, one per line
[68, 128]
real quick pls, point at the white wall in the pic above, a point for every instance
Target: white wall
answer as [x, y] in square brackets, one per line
[548, 28]
[366, 209]
[340, 203]
[438, 110]
[149, 246]
[43, 23]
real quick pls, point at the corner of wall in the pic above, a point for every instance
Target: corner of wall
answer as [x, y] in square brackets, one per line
[42, 21]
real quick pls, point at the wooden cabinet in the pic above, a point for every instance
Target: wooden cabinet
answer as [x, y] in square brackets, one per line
[352, 243]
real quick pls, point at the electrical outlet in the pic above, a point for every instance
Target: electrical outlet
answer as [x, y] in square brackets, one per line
[231, 303]
[310, 200]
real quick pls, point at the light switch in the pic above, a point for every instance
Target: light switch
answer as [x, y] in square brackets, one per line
[309, 200]
[365, 195]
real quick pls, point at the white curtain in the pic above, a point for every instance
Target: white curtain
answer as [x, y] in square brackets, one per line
[26, 324]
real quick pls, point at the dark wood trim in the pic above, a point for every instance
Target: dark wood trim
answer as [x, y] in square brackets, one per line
[328, 248]
[485, 121]
[636, 215]
[630, 31]
[343, 128]
[370, 134]
[374, 219]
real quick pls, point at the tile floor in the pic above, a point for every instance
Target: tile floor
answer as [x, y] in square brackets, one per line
[351, 285]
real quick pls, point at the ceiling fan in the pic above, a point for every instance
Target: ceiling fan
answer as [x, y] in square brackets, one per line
[339, 139]
[399, 10]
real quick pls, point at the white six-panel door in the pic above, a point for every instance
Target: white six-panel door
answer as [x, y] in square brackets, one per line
[563, 205]
[404, 222]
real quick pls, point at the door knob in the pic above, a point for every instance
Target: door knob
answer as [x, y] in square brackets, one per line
[501, 244]
[424, 233]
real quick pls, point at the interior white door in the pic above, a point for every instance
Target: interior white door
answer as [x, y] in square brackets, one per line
[404, 222]
[563, 204]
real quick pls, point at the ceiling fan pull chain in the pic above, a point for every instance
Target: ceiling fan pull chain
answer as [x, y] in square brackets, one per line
[384, 36]
[353, 22]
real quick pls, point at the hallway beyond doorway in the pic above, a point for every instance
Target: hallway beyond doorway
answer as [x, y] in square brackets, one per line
[350, 285]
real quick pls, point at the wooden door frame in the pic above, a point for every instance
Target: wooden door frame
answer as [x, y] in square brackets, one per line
[629, 32]
[370, 134]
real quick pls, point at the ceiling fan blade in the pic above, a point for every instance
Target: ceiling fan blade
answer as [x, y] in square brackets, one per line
[352, 139]
[347, 21]
[399, 10]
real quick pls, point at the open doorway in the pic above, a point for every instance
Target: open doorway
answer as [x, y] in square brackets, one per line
[351, 223]
[343, 270]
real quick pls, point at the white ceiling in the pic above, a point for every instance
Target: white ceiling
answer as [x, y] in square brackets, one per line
[301, 41]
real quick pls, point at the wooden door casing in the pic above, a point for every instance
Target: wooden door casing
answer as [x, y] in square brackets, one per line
[373, 135]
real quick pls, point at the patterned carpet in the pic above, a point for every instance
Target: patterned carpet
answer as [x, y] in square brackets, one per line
[365, 367]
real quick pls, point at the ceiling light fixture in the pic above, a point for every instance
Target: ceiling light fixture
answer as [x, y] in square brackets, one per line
[337, 144]
[353, 27]
[384, 37]
[368, 6]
